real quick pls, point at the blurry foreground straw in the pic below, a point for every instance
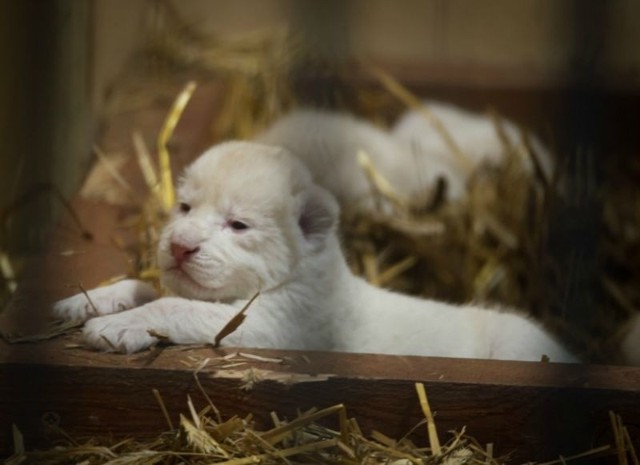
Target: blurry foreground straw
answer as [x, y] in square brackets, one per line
[166, 177]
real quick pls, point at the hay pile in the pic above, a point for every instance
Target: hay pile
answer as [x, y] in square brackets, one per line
[204, 437]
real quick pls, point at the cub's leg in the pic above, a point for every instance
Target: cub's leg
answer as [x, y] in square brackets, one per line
[123, 295]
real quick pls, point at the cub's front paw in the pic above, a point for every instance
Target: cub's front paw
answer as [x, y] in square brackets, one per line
[117, 297]
[122, 332]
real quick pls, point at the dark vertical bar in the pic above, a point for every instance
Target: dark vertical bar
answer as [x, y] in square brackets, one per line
[45, 129]
[320, 74]
[576, 222]
[27, 65]
[45, 126]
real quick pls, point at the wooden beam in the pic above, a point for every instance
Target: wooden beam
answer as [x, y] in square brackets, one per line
[537, 410]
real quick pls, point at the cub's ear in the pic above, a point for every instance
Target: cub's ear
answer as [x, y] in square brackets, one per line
[318, 217]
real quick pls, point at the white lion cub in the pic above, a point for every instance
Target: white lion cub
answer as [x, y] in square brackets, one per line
[411, 157]
[250, 219]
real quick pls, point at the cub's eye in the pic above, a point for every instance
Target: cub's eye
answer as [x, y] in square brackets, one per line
[237, 225]
[184, 207]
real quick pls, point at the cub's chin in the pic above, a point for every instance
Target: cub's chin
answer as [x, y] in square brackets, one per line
[183, 285]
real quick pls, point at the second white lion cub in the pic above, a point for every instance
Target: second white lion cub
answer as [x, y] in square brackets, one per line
[250, 219]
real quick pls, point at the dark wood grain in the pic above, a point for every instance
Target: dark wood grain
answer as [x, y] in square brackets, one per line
[534, 409]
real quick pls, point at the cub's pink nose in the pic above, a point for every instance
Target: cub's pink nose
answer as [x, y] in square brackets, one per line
[181, 253]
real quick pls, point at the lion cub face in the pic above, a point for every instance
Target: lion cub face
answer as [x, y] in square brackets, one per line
[247, 214]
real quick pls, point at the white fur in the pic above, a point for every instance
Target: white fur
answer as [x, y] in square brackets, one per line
[411, 157]
[328, 143]
[475, 134]
[123, 295]
[310, 299]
